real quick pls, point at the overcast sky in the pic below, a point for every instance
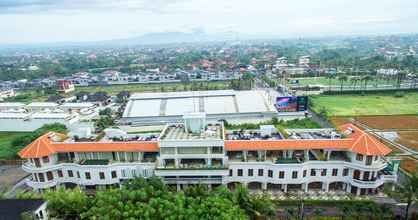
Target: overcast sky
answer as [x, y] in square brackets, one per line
[36, 21]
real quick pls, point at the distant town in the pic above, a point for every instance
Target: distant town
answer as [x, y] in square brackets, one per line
[272, 129]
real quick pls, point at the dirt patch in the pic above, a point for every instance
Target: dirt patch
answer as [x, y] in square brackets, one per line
[338, 121]
[10, 175]
[409, 164]
[408, 139]
[390, 122]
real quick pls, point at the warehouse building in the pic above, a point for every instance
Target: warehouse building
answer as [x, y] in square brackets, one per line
[152, 108]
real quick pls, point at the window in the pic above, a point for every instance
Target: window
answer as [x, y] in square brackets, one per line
[356, 174]
[260, 172]
[45, 159]
[239, 172]
[101, 175]
[37, 162]
[345, 172]
[217, 150]
[78, 174]
[49, 175]
[41, 177]
[59, 173]
[87, 174]
[113, 174]
[359, 157]
[334, 172]
[70, 173]
[295, 174]
[270, 173]
[324, 172]
[376, 158]
[281, 174]
[366, 175]
[231, 172]
[369, 160]
[304, 173]
[250, 172]
[313, 172]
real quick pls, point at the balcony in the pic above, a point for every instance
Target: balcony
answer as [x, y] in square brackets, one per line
[367, 183]
[288, 160]
[192, 180]
[192, 171]
[94, 162]
[41, 185]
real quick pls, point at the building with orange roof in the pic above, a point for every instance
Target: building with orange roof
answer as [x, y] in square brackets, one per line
[198, 152]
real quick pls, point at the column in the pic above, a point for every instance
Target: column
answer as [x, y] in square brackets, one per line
[306, 155]
[328, 154]
[245, 155]
[177, 162]
[348, 188]
[178, 187]
[305, 187]
[325, 186]
[284, 187]
[264, 186]
[290, 154]
[209, 162]
[358, 191]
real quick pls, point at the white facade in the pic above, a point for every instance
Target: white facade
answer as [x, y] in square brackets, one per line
[181, 158]
[26, 122]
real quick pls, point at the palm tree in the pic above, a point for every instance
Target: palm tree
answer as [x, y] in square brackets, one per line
[342, 79]
[329, 77]
[406, 192]
[354, 80]
[366, 78]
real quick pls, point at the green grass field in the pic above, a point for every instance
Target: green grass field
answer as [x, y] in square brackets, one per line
[335, 82]
[164, 87]
[6, 150]
[355, 105]
[32, 95]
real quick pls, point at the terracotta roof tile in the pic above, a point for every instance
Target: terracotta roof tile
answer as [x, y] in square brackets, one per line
[43, 146]
[358, 141]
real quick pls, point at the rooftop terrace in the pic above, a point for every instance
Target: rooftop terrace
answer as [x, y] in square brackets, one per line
[178, 132]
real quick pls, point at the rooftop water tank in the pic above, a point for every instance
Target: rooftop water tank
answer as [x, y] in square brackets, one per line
[195, 122]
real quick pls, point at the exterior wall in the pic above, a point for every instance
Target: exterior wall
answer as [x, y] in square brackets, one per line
[13, 124]
[299, 168]
[124, 170]
[226, 174]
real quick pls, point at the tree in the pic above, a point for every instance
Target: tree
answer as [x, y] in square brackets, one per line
[406, 192]
[106, 112]
[290, 212]
[104, 122]
[317, 212]
[329, 77]
[66, 204]
[342, 79]
[354, 80]
[366, 79]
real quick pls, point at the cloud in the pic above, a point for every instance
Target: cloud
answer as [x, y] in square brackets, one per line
[63, 6]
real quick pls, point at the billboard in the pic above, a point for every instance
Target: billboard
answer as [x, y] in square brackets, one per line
[291, 103]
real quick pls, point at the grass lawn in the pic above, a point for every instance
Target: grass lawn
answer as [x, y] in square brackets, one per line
[355, 105]
[32, 95]
[6, 151]
[160, 87]
[335, 82]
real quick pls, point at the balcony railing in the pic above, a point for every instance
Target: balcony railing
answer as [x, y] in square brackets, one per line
[193, 168]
